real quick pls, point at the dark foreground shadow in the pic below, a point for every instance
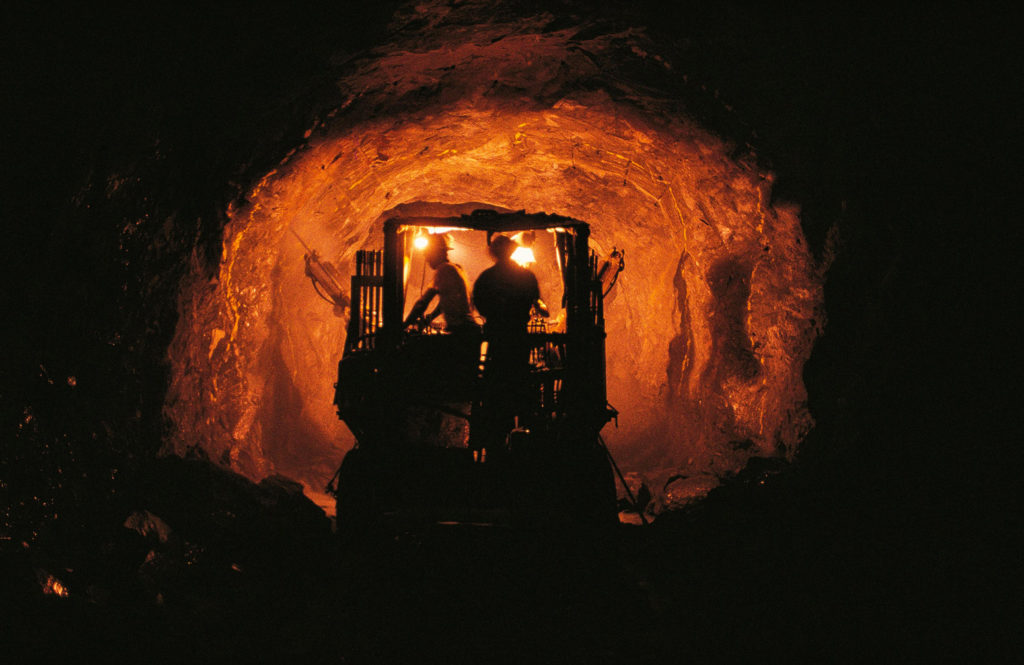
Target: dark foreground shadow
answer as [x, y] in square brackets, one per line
[216, 569]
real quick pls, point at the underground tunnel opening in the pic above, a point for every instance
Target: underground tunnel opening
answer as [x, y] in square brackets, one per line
[708, 351]
[708, 329]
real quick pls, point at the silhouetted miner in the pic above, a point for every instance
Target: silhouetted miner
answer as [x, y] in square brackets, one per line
[450, 286]
[453, 359]
[505, 294]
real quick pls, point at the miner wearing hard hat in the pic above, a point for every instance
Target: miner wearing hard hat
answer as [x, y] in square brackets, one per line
[449, 286]
[505, 294]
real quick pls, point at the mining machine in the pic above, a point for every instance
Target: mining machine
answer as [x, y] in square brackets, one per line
[415, 399]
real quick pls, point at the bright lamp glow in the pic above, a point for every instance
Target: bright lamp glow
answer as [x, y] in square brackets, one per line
[523, 256]
[420, 242]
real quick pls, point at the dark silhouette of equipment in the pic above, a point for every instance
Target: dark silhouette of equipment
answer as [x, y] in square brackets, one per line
[325, 277]
[608, 273]
[417, 400]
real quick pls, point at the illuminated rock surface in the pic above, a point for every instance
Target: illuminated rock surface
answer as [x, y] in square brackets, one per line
[708, 328]
[891, 533]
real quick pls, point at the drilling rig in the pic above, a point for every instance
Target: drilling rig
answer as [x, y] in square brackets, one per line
[416, 402]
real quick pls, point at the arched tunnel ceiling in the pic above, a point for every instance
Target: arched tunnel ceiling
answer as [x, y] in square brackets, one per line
[709, 326]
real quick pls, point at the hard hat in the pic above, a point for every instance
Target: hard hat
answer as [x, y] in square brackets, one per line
[502, 247]
[439, 241]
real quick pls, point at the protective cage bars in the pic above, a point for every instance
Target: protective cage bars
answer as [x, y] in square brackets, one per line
[367, 305]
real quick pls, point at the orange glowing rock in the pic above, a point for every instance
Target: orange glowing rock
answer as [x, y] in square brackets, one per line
[708, 328]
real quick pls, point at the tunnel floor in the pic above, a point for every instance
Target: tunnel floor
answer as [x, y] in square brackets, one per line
[450, 595]
[756, 570]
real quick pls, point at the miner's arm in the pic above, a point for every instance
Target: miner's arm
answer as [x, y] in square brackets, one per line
[421, 306]
[538, 306]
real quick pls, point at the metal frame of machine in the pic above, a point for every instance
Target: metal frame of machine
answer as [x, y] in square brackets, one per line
[551, 467]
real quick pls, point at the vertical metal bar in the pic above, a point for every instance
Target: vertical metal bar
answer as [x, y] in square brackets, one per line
[352, 334]
[375, 312]
[379, 259]
[362, 310]
[392, 301]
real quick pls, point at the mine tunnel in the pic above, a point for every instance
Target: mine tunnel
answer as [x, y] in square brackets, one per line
[708, 329]
[168, 368]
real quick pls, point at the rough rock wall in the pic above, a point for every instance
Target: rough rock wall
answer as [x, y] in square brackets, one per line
[709, 326]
